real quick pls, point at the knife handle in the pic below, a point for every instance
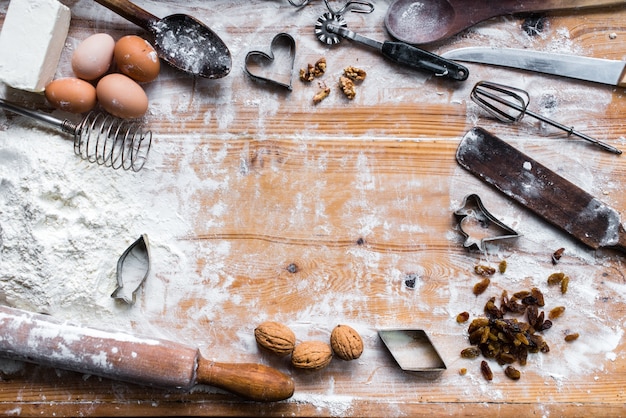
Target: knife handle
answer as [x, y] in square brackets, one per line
[414, 57]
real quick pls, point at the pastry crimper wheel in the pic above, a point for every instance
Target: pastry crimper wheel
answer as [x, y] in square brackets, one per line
[331, 27]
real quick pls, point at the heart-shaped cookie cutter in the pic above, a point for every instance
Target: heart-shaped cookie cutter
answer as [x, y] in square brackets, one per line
[281, 42]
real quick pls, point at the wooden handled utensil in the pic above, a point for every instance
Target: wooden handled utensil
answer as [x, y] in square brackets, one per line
[39, 339]
[180, 40]
[544, 192]
[426, 21]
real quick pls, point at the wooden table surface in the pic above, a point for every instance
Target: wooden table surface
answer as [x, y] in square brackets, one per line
[315, 215]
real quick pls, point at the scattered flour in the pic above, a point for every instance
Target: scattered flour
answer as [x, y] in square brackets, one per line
[64, 223]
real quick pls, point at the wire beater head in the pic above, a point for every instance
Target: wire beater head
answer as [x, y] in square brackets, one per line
[507, 104]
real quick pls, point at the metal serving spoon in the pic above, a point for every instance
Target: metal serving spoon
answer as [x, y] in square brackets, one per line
[425, 21]
[180, 40]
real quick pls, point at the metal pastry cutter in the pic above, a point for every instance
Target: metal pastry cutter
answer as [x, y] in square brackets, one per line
[257, 63]
[132, 269]
[331, 27]
[412, 350]
[479, 226]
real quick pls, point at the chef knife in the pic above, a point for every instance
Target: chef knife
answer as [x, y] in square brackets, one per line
[597, 70]
[544, 192]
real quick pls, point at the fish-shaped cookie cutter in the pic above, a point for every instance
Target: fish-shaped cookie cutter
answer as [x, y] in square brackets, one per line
[133, 267]
[479, 226]
[282, 43]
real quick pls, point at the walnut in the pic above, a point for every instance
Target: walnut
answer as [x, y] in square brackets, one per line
[320, 67]
[311, 355]
[307, 75]
[321, 94]
[346, 343]
[347, 86]
[275, 337]
[313, 70]
[354, 73]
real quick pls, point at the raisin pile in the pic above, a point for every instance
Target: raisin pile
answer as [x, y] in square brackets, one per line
[509, 340]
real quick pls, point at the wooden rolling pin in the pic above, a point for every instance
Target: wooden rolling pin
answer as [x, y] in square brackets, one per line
[39, 339]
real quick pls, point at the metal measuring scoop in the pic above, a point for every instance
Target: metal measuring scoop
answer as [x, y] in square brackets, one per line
[180, 40]
[510, 104]
[331, 27]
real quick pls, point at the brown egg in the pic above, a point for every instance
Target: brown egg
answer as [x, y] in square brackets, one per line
[121, 96]
[71, 94]
[93, 56]
[136, 58]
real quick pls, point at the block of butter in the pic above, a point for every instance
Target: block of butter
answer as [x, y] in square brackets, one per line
[31, 41]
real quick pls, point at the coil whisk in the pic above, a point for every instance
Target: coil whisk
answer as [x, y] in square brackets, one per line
[100, 138]
[103, 139]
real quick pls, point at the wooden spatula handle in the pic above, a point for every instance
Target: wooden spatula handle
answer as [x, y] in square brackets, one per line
[249, 380]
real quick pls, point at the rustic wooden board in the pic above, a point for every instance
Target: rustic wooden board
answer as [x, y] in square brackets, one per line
[314, 215]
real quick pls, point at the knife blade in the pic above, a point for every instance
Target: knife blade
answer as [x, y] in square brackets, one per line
[597, 70]
[533, 185]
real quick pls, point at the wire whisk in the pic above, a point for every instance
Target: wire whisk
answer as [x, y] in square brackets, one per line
[510, 104]
[100, 138]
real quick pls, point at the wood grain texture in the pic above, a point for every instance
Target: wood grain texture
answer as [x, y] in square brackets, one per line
[309, 214]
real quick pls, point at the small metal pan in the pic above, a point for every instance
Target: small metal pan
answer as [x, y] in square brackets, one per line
[412, 350]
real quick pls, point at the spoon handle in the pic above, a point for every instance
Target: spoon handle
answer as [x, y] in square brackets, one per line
[550, 5]
[568, 4]
[131, 12]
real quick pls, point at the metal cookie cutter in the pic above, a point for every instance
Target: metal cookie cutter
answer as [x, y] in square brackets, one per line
[282, 50]
[132, 269]
[300, 3]
[412, 350]
[479, 226]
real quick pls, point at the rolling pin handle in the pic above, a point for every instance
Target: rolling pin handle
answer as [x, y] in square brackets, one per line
[256, 382]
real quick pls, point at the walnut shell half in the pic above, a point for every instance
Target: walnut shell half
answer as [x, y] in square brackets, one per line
[346, 342]
[275, 337]
[312, 355]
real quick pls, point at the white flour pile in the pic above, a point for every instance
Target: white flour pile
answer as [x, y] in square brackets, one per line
[65, 222]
